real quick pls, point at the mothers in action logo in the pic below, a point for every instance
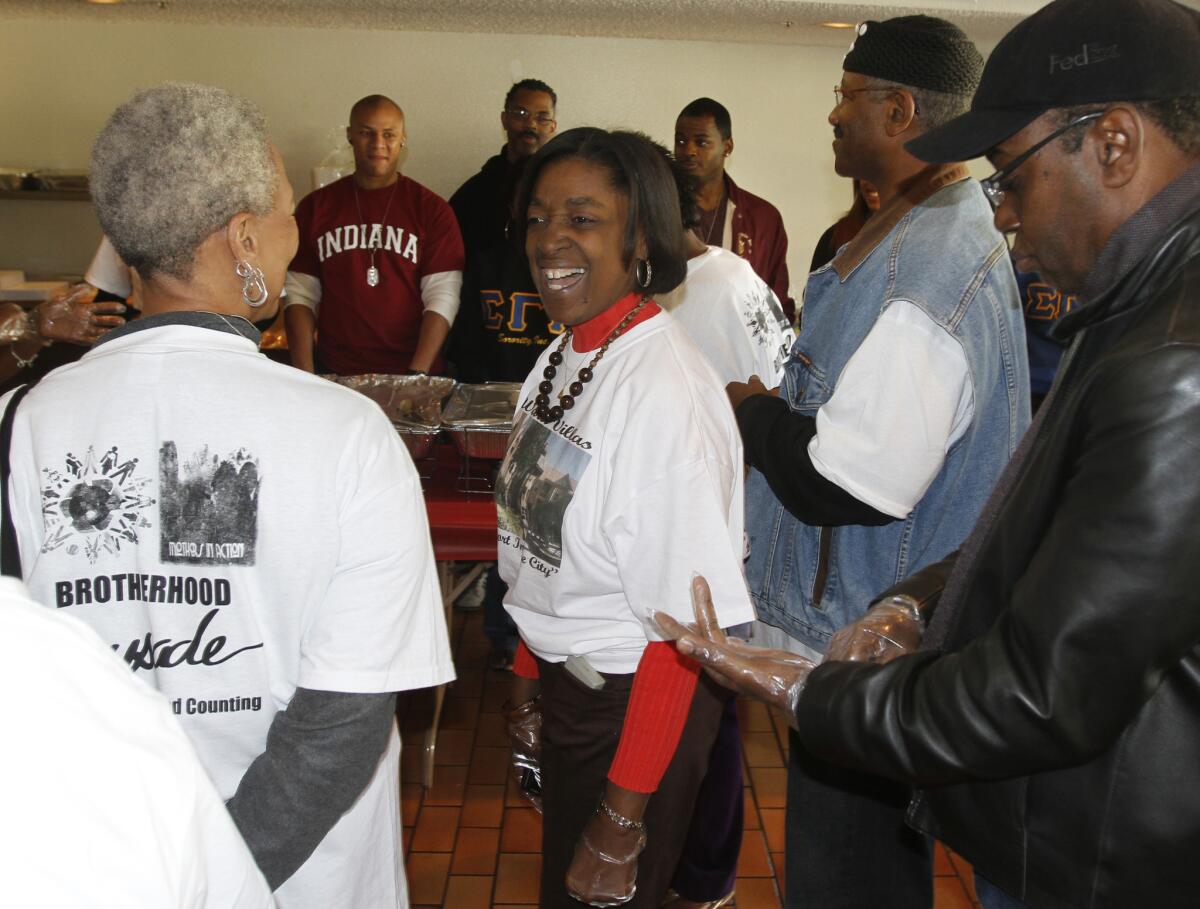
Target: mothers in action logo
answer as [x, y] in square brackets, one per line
[94, 504]
[208, 507]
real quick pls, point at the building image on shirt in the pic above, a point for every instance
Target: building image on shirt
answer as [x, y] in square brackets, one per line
[208, 506]
[536, 486]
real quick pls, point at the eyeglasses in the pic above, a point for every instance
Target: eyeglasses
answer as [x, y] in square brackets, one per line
[847, 94]
[519, 113]
[993, 186]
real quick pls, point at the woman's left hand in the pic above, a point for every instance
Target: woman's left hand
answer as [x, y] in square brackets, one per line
[604, 869]
[72, 317]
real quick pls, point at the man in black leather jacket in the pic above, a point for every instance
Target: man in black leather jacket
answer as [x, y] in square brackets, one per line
[1051, 719]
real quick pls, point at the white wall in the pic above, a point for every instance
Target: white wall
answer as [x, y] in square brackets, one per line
[63, 79]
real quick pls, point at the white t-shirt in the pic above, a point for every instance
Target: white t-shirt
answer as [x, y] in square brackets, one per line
[246, 529]
[105, 803]
[903, 399]
[733, 317]
[605, 516]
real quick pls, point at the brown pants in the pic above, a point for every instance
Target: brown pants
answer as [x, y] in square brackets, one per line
[580, 731]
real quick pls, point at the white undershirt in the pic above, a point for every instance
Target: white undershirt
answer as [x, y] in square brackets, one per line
[440, 292]
[902, 400]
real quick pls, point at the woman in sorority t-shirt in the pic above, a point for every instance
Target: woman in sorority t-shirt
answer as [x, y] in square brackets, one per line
[622, 480]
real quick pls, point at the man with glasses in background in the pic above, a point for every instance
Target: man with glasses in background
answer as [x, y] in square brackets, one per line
[1052, 715]
[480, 204]
[903, 399]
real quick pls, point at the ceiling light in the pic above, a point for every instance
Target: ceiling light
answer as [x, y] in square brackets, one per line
[103, 2]
[839, 24]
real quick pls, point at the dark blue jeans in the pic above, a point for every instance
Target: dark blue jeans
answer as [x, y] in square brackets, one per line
[498, 627]
[707, 869]
[847, 844]
[992, 897]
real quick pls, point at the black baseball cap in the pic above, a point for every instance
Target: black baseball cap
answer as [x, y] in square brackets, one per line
[1068, 53]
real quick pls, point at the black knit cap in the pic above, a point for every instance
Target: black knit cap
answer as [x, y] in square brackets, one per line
[918, 51]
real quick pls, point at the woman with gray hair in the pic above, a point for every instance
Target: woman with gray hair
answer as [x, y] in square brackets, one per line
[273, 578]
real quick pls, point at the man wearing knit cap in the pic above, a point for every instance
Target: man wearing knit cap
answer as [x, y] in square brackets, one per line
[1051, 717]
[905, 395]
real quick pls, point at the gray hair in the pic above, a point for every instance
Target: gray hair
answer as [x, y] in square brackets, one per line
[933, 108]
[172, 165]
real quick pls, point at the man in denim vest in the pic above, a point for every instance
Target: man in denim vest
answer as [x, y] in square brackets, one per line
[904, 397]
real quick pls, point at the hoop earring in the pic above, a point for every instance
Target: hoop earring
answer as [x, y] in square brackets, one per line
[643, 272]
[254, 285]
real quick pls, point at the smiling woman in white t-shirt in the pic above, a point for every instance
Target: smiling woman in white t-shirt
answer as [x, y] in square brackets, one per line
[623, 479]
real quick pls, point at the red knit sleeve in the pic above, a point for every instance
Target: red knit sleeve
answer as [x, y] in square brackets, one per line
[658, 709]
[524, 663]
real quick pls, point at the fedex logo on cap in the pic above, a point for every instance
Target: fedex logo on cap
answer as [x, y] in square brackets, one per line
[1088, 54]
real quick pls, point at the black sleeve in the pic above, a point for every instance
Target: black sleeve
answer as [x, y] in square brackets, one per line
[467, 348]
[320, 755]
[776, 442]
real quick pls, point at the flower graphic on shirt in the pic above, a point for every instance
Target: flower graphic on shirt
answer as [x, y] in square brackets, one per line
[94, 504]
[89, 506]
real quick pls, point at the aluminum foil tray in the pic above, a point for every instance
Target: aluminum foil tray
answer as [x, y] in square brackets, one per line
[479, 418]
[409, 401]
[419, 442]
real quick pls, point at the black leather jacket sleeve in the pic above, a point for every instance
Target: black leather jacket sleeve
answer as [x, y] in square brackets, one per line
[923, 587]
[1105, 607]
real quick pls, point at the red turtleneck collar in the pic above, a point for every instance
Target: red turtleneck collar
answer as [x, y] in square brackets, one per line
[591, 334]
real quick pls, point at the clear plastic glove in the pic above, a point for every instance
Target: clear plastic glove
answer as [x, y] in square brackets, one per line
[603, 871]
[525, 736]
[73, 317]
[889, 629]
[17, 324]
[774, 676]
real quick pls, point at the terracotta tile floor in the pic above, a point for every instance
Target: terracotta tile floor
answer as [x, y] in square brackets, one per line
[471, 842]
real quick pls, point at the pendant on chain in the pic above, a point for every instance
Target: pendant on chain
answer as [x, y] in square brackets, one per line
[372, 276]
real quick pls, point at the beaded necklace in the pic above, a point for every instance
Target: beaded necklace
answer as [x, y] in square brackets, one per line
[566, 400]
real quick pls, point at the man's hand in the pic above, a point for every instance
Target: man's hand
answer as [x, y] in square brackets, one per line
[739, 391]
[889, 629]
[72, 317]
[774, 676]
[603, 871]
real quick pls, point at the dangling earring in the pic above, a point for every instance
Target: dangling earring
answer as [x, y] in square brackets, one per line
[254, 285]
[643, 272]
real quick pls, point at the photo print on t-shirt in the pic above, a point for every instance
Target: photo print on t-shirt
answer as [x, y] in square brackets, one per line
[535, 486]
[94, 504]
[208, 507]
[762, 314]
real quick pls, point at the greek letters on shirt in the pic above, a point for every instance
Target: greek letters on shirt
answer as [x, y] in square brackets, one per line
[1044, 303]
[513, 316]
[383, 237]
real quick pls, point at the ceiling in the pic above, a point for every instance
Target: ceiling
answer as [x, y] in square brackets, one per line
[757, 21]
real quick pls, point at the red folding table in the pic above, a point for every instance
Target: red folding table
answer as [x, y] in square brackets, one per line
[463, 527]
